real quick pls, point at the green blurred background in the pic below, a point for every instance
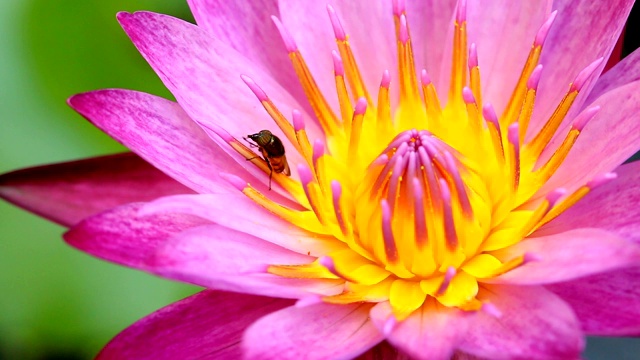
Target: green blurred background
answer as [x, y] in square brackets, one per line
[56, 302]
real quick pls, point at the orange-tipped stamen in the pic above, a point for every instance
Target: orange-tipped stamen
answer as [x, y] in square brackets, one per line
[431, 101]
[474, 74]
[529, 101]
[459, 65]
[356, 128]
[343, 97]
[406, 68]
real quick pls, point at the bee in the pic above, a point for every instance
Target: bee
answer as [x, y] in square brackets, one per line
[272, 151]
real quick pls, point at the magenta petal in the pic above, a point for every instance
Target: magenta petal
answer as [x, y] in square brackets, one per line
[534, 324]
[204, 75]
[595, 154]
[571, 46]
[568, 255]
[248, 28]
[612, 206]
[208, 325]
[220, 258]
[248, 217]
[432, 333]
[120, 236]
[321, 331]
[624, 72]
[68, 192]
[503, 32]
[606, 304]
[160, 132]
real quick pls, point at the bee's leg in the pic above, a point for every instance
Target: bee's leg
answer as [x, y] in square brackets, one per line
[255, 157]
[251, 144]
[270, 176]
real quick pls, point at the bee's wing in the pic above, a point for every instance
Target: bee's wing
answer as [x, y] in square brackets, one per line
[286, 170]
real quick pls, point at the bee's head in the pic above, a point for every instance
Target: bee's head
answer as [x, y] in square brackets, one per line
[262, 138]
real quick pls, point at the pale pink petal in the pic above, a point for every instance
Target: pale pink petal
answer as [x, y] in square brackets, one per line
[120, 236]
[203, 73]
[430, 23]
[247, 27]
[160, 132]
[612, 206]
[320, 331]
[568, 255]
[246, 216]
[607, 304]
[69, 192]
[503, 32]
[220, 258]
[534, 324]
[369, 26]
[571, 46]
[624, 72]
[208, 325]
[432, 333]
[595, 154]
[383, 351]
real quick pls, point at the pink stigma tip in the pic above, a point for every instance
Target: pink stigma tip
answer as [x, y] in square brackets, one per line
[336, 188]
[328, 263]
[467, 96]
[541, 36]
[386, 79]
[260, 94]
[584, 117]
[338, 67]
[425, 78]
[534, 79]
[489, 114]
[398, 7]
[318, 150]
[305, 174]
[461, 14]
[491, 310]
[308, 301]
[289, 43]
[361, 106]
[298, 122]
[584, 75]
[601, 179]
[555, 195]
[473, 56]
[338, 30]
[404, 30]
[234, 180]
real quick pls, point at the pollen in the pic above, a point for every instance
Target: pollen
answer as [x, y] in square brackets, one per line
[422, 196]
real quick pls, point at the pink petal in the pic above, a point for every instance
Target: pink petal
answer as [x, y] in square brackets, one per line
[363, 21]
[612, 206]
[239, 213]
[160, 132]
[430, 23]
[534, 324]
[206, 325]
[607, 304]
[503, 32]
[321, 331]
[569, 255]
[68, 192]
[247, 28]
[571, 46]
[624, 72]
[204, 75]
[432, 333]
[606, 141]
[120, 236]
[217, 257]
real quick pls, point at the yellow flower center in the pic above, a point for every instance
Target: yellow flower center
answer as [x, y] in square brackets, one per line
[418, 201]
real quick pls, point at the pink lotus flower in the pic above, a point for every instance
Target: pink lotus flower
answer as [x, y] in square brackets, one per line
[416, 212]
